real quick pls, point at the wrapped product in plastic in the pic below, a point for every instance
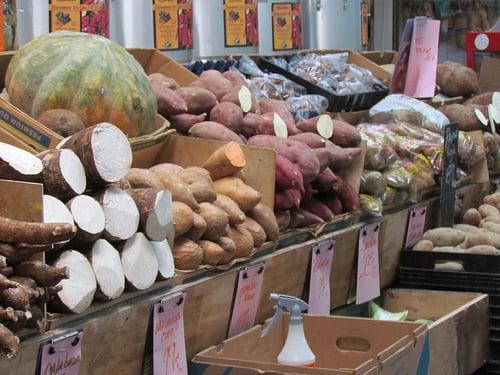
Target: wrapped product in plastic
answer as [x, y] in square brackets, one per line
[306, 106]
[371, 205]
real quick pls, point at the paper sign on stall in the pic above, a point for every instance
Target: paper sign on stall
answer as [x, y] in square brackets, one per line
[62, 355]
[246, 299]
[319, 284]
[169, 348]
[422, 65]
[368, 278]
[416, 225]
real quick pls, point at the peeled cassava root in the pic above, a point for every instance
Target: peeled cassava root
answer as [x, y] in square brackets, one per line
[139, 261]
[17, 164]
[104, 151]
[108, 269]
[89, 218]
[225, 161]
[55, 211]
[166, 268]
[15, 231]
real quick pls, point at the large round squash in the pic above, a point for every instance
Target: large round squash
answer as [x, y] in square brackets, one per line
[87, 74]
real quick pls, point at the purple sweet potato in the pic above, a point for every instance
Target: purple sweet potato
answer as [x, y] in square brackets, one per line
[297, 152]
[288, 174]
[279, 107]
[283, 219]
[182, 123]
[286, 199]
[333, 203]
[348, 196]
[309, 218]
[326, 181]
[296, 219]
[214, 131]
[227, 114]
[198, 99]
[313, 140]
[317, 208]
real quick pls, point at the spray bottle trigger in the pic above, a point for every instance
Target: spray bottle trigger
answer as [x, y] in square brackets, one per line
[272, 323]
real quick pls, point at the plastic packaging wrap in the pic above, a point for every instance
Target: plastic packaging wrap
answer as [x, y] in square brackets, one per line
[306, 106]
[379, 153]
[275, 86]
[398, 177]
[389, 196]
[371, 205]
[249, 68]
[372, 183]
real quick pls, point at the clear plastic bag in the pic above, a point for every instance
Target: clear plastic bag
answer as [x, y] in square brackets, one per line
[398, 177]
[371, 205]
[306, 106]
[379, 153]
[249, 68]
[275, 86]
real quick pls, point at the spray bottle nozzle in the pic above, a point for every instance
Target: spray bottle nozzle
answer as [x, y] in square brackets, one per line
[295, 306]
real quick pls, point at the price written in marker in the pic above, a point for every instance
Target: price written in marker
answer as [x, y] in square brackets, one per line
[169, 348]
[62, 355]
[416, 225]
[246, 299]
[319, 284]
[448, 179]
[368, 278]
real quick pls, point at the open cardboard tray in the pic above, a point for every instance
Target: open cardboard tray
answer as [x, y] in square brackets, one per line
[341, 345]
[338, 103]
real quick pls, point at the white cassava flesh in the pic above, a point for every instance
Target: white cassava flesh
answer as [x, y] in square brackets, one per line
[88, 216]
[140, 265]
[121, 214]
[245, 98]
[78, 291]
[55, 211]
[108, 269]
[72, 171]
[280, 129]
[325, 126]
[165, 259]
[17, 164]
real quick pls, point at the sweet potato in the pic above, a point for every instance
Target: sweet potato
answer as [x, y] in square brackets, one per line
[216, 220]
[472, 217]
[229, 249]
[296, 219]
[326, 181]
[488, 210]
[348, 196]
[243, 241]
[484, 238]
[490, 226]
[464, 115]
[317, 208]
[288, 175]
[483, 249]
[235, 215]
[234, 96]
[212, 252]
[225, 161]
[279, 107]
[283, 219]
[187, 254]
[166, 168]
[423, 245]
[344, 134]
[236, 78]
[313, 140]
[297, 152]
[182, 123]
[444, 237]
[286, 199]
[254, 124]
[233, 187]
[183, 218]
[334, 204]
[256, 230]
[163, 81]
[198, 229]
[455, 79]
[173, 183]
[198, 99]
[215, 82]
[169, 102]
[341, 158]
[214, 131]
[323, 155]
[263, 215]
[492, 199]
[143, 178]
[481, 99]
[200, 183]
[309, 218]
[227, 114]
[467, 228]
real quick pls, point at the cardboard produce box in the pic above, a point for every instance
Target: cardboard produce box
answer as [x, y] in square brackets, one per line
[458, 335]
[341, 345]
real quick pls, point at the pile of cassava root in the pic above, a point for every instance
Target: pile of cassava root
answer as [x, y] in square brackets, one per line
[314, 156]
[477, 233]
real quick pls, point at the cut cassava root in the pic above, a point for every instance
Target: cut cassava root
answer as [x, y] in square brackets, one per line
[104, 151]
[139, 261]
[55, 211]
[17, 164]
[165, 259]
[108, 269]
[14, 231]
[89, 218]
[225, 161]
[63, 175]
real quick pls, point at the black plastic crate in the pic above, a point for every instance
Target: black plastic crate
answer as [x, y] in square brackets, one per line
[337, 103]
[493, 367]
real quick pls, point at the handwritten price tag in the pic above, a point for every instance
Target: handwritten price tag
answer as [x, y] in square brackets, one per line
[169, 348]
[416, 224]
[246, 299]
[62, 355]
[368, 281]
[319, 284]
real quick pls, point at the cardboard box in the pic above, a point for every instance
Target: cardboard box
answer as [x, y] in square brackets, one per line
[381, 57]
[458, 336]
[341, 345]
[489, 79]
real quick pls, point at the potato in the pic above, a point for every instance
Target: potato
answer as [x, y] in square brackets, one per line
[229, 249]
[483, 249]
[493, 219]
[143, 178]
[454, 79]
[313, 140]
[449, 266]
[233, 187]
[173, 183]
[466, 228]
[243, 241]
[235, 215]
[317, 208]
[449, 249]
[279, 107]
[236, 78]
[227, 114]
[200, 183]
[283, 219]
[214, 81]
[187, 254]
[483, 238]
[198, 99]
[488, 210]
[444, 237]
[472, 217]
[182, 123]
[169, 102]
[297, 152]
[288, 175]
[264, 215]
[212, 253]
[464, 116]
[492, 199]
[164, 81]
[216, 219]
[256, 230]
[490, 226]
[183, 218]
[481, 99]
[198, 229]
[423, 245]
[214, 131]
[62, 121]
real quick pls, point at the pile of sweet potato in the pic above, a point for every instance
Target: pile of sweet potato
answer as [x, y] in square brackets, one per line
[217, 217]
[309, 189]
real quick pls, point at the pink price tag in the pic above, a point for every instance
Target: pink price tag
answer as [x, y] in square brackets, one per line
[62, 356]
[169, 348]
[422, 64]
[246, 299]
[416, 225]
[368, 279]
[319, 284]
